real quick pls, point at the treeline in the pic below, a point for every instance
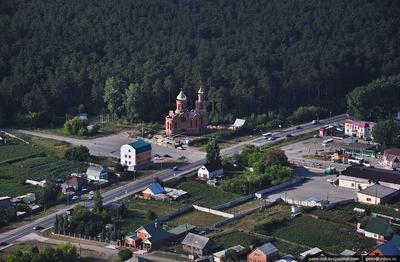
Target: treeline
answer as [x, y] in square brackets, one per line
[252, 56]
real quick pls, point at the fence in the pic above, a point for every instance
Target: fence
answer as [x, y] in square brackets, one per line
[303, 203]
[263, 192]
[234, 202]
[175, 214]
[86, 238]
[213, 211]
[343, 202]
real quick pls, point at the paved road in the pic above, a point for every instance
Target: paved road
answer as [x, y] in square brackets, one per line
[138, 185]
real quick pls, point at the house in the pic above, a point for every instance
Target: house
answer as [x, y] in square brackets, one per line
[360, 129]
[153, 236]
[376, 228]
[210, 171]
[391, 158]
[136, 155]
[7, 207]
[183, 121]
[75, 183]
[359, 150]
[220, 255]
[360, 177]
[313, 252]
[265, 253]
[153, 190]
[199, 245]
[376, 194]
[132, 241]
[388, 249]
[238, 123]
[96, 173]
[83, 116]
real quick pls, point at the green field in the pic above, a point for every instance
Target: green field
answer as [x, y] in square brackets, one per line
[328, 236]
[13, 175]
[204, 195]
[38, 160]
[11, 152]
[196, 218]
[138, 209]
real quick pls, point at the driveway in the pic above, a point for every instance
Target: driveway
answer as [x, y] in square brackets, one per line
[315, 185]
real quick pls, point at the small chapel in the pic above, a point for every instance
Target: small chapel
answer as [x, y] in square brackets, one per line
[185, 122]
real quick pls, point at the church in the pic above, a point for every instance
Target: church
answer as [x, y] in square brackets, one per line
[185, 122]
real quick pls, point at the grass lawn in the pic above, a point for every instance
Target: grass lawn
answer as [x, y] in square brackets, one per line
[243, 207]
[204, 195]
[388, 210]
[196, 218]
[87, 255]
[138, 209]
[328, 236]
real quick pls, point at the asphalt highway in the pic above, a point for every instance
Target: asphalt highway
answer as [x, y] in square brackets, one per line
[140, 184]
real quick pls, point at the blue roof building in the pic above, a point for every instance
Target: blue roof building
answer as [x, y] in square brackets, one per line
[136, 154]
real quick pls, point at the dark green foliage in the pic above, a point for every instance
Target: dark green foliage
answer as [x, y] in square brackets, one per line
[49, 193]
[212, 149]
[307, 113]
[275, 156]
[76, 126]
[387, 133]
[64, 252]
[98, 202]
[150, 215]
[124, 254]
[78, 153]
[379, 100]
[251, 56]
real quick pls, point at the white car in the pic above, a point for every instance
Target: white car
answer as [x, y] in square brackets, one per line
[271, 138]
[75, 197]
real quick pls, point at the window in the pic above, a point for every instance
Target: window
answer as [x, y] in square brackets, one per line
[129, 162]
[129, 156]
[368, 199]
[126, 162]
[126, 156]
[352, 184]
[129, 150]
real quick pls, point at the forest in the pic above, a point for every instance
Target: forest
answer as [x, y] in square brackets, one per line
[251, 56]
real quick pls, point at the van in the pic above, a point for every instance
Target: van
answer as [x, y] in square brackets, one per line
[266, 135]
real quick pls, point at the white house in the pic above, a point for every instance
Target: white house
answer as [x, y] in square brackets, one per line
[210, 171]
[96, 173]
[376, 194]
[360, 129]
[136, 154]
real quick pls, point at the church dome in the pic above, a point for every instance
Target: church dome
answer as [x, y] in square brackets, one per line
[181, 96]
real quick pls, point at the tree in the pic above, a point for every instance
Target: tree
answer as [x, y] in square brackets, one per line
[212, 149]
[150, 215]
[124, 254]
[77, 153]
[275, 156]
[76, 126]
[68, 252]
[379, 100]
[307, 113]
[387, 133]
[49, 193]
[114, 95]
[131, 103]
[98, 202]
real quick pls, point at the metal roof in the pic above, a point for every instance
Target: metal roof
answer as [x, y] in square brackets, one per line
[156, 188]
[268, 248]
[196, 241]
[373, 174]
[181, 96]
[141, 146]
[378, 191]
[181, 229]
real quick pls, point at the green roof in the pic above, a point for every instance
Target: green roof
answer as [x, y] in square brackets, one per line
[181, 229]
[379, 226]
[141, 146]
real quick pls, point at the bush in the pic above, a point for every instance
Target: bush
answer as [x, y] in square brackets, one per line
[76, 126]
[124, 254]
[78, 153]
[307, 113]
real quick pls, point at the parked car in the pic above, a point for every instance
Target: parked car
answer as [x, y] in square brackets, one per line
[289, 135]
[175, 168]
[271, 138]
[316, 136]
[266, 135]
[314, 122]
[37, 228]
[75, 197]
[298, 127]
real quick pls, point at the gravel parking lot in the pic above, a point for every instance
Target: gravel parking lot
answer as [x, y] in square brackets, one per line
[314, 186]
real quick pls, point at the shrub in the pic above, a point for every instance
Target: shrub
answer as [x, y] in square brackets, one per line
[78, 153]
[76, 126]
[124, 254]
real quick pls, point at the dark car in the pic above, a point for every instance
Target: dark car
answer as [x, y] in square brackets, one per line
[175, 168]
[37, 228]
[298, 127]
[289, 136]
[166, 155]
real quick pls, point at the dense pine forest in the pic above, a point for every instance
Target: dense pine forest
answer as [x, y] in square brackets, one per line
[251, 56]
